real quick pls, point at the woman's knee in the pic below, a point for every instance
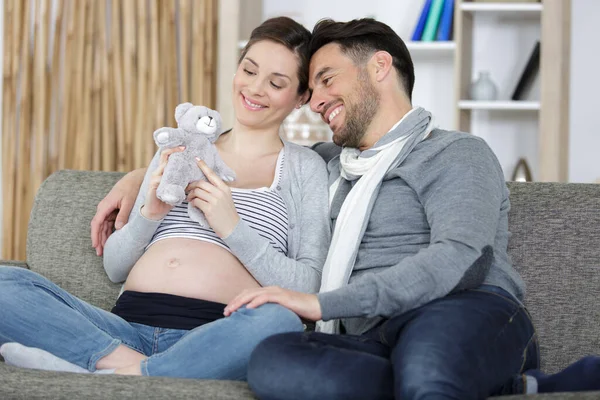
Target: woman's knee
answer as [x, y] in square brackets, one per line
[273, 318]
[11, 288]
[11, 274]
[13, 278]
[15, 283]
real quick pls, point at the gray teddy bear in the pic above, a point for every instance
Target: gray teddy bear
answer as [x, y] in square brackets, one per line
[197, 129]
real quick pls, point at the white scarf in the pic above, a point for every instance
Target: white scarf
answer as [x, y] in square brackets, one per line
[356, 208]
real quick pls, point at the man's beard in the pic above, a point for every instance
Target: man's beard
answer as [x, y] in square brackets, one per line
[360, 111]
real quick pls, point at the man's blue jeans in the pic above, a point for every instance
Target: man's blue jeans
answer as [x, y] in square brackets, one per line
[37, 313]
[468, 345]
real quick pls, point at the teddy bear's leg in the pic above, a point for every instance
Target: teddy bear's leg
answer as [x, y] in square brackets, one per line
[197, 215]
[170, 194]
[172, 185]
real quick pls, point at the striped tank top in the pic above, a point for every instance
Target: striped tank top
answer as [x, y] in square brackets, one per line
[263, 209]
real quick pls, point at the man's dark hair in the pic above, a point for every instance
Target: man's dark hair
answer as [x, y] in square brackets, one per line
[360, 38]
[291, 34]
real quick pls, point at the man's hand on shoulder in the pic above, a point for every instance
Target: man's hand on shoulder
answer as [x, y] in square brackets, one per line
[114, 209]
[305, 305]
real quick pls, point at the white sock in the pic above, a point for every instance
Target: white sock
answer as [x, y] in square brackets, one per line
[17, 355]
[105, 371]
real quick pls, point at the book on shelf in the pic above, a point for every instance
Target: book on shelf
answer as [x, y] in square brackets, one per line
[445, 29]
[435, 21]
[529, 73]
[422, 20]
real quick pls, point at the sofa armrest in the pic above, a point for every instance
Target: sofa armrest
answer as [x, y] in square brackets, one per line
[13, 263]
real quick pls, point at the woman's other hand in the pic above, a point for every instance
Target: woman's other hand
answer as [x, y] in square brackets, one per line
[214, 199]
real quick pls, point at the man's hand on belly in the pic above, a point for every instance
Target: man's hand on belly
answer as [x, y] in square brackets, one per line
[306, 305]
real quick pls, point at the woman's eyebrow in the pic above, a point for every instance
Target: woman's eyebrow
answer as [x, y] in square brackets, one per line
[274, 73]
[252, 61]
[281, 75]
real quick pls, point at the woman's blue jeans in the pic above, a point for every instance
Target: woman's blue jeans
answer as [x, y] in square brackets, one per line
[467, 345]
[37, 313]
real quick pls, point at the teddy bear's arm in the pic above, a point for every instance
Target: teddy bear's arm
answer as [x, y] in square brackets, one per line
[223, 170]
[167, 138]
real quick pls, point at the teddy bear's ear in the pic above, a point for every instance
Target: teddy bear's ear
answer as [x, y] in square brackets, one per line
[182, 109]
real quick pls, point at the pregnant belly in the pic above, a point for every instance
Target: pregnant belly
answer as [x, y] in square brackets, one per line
[190, 268]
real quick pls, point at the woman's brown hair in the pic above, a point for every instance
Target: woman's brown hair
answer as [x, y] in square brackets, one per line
[291, 34]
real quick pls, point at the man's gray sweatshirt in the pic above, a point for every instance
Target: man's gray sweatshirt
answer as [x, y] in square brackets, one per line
[439, 225]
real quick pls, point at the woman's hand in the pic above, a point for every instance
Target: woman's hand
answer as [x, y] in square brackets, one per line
[114, 209]
[213, 198]
[153, 207]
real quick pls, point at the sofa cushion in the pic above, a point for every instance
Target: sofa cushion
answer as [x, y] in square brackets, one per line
[22, 384]
[555, 246]
[26, 384]
[58, 237]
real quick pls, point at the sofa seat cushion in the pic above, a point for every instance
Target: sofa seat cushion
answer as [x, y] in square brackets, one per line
[17, 384]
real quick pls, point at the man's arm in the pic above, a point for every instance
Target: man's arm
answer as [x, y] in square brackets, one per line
[115, 208]
[462, 192]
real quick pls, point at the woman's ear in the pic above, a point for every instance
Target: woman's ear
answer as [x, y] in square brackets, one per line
[303, 99]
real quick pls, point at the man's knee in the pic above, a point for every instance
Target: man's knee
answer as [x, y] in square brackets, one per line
[427, 384]
[273, 367]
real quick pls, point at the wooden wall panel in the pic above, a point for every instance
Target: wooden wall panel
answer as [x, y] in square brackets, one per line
[86, 83]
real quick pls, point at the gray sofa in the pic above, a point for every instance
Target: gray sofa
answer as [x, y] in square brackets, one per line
[555, 245]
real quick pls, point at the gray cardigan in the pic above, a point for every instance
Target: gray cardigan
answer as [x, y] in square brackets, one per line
[303, 187]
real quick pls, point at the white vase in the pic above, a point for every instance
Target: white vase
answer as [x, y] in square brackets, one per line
[483, 89]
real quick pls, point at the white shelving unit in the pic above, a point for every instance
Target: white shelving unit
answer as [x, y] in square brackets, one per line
[540, 125]
[499, 105]
[431, 46]
[502, 7]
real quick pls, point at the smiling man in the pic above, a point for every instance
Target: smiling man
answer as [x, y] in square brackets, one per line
[418, 299]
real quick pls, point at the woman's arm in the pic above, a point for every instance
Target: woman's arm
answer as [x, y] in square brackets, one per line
[272, 268]
[125, 246]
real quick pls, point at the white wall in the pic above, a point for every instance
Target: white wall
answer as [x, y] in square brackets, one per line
[584, 124]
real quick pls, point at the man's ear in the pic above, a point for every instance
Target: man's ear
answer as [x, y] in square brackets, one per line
[383, 63]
